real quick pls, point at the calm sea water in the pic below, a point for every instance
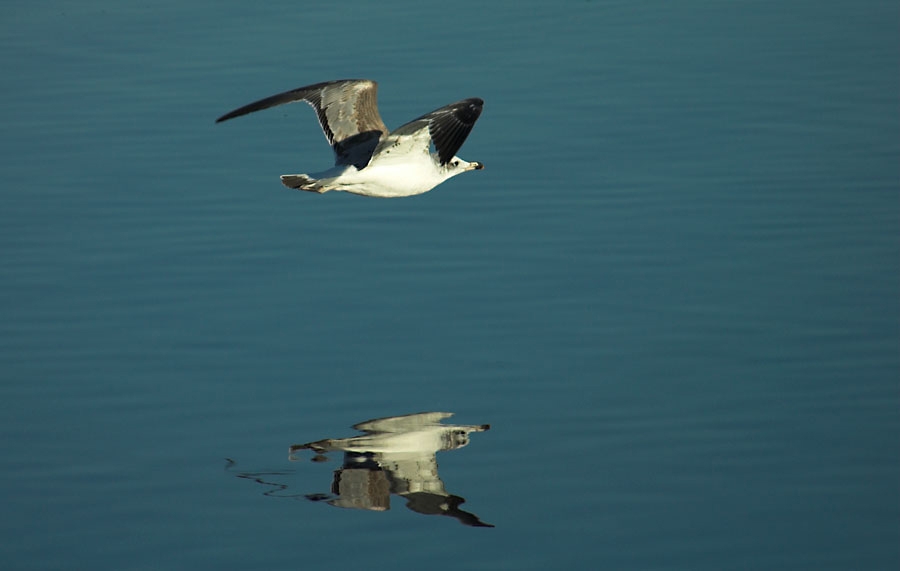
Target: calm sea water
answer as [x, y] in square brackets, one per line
[672, 293]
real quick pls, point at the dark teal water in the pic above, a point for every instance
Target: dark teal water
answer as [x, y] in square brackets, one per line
[672, 293]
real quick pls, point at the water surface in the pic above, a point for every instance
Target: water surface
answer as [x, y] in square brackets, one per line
[672, 293]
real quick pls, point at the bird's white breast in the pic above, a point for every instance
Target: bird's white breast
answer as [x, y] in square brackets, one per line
[387, 176]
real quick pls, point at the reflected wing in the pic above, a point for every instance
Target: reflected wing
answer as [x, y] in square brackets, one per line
[348, 114]
[405, 423]
[448, 127]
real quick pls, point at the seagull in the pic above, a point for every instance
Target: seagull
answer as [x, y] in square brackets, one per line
[368, 159]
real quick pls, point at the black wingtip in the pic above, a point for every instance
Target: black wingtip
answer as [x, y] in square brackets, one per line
[236, 113]
[226, 117]
[469, 110]
[450, 126]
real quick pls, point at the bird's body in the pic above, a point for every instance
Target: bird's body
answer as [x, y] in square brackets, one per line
[369, 159]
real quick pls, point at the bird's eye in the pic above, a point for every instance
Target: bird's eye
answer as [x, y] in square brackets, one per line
[455, 163]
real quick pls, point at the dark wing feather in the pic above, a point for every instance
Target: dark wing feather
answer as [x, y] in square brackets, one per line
[347, 111]
[448, 126]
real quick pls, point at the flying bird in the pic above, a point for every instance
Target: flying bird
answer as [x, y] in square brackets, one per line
[368, 158]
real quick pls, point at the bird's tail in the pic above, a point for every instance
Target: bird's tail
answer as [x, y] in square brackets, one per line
[303, 182]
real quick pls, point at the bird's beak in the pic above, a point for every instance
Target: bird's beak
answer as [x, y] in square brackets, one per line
[476, 166]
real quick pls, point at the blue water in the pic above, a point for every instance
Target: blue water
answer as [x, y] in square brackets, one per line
[672, 292]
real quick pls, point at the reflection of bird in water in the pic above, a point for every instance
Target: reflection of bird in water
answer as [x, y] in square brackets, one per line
[396, 455]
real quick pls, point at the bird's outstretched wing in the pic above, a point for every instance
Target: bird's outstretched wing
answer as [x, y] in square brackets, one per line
[348, 114]
[448, 127]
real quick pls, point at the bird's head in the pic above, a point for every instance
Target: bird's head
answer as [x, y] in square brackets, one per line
[457, 166]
